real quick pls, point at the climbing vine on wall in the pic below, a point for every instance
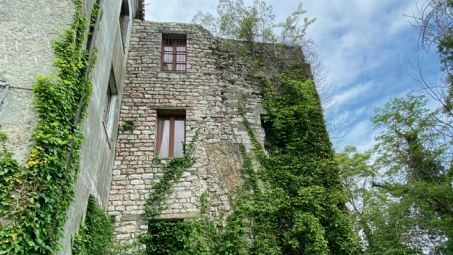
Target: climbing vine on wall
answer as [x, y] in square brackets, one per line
[171, 237]
[8, 176]
[173, 171]
[307, 213]
[291, 200]
[36, 196]
[95, 235]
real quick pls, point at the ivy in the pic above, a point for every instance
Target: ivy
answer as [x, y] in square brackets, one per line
[306, 214]
[173, 171]
[169, 237]
[291, 200]
[95, 235]
[9, 177]
[36, 196]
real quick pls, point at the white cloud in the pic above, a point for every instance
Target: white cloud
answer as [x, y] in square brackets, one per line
[361, 135]
[350, 94]
[177, 10]
[352, 33]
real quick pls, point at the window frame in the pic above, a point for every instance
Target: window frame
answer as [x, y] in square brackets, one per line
[172, 117]
[110, 104]
[93, 27]
[174, 41]
[124, 20]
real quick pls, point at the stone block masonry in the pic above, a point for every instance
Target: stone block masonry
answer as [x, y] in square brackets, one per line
[210, 92]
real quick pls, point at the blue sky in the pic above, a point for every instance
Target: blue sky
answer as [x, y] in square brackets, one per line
[368, 50]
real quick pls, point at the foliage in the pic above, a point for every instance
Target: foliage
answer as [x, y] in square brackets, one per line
[403, 205]
[9, 176]
[291, 200]
[435, 22]
[419, 167]
[127, 126]
[307, 215]
[379, 218]
[408, 132]
[254, 24]
[43, 188]
[357, 175]
[173, 171]
[181, 237]
[168, 237]
[95, 235]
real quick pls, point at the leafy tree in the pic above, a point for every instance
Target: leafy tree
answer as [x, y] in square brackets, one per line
[404, 202]
[417, 165]
[255, 24]
[436, 27]
[380, 219]
[307, 214]
[356, 175]
[409, 143]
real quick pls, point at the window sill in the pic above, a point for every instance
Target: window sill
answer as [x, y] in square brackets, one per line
[173, 71]
[171, 74]
[168, 159]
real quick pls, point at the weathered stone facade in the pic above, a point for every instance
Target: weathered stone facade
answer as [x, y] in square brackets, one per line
[210, 91]
[28, 29]
[97, 152]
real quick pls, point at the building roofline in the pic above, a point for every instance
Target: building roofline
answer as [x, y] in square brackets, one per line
[140, 14]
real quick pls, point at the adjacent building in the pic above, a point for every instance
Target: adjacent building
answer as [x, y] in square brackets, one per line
[28, 29]
[155, 85]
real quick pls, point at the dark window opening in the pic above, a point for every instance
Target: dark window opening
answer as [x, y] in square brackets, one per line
[124, 21]
[94, 20]
[167, 237]
[110, 105]
[4, 87]
[174, 52]
[171, 134]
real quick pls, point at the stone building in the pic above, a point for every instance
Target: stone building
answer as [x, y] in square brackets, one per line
[178, 80]
[28, 29]
[155, 85]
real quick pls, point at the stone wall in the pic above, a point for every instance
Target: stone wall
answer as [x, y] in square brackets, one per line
[99, 142]
[210, 92]
[27, 29]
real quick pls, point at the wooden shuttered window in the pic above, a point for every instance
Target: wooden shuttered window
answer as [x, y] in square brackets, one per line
[174, 53]
[171, 135]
